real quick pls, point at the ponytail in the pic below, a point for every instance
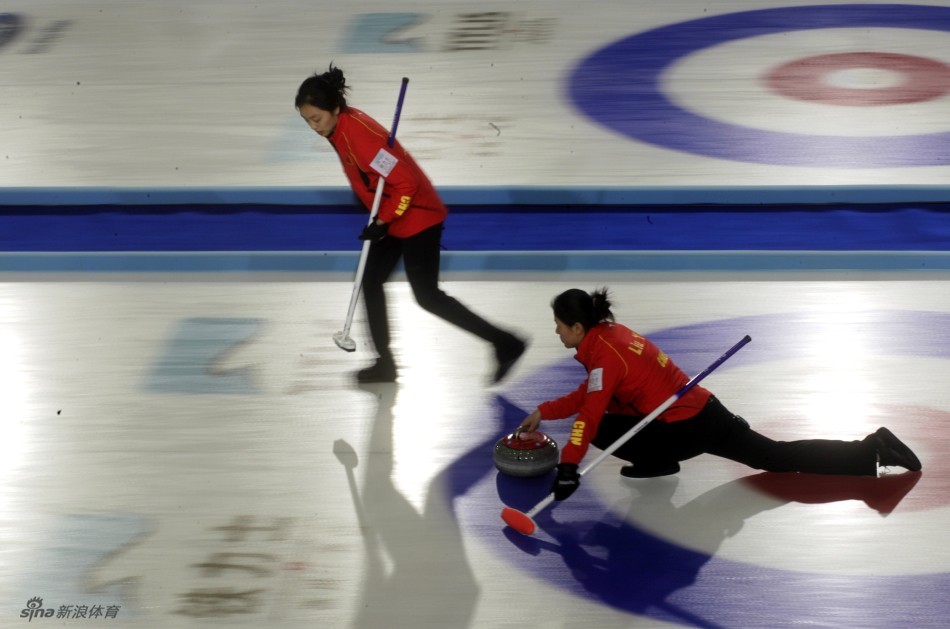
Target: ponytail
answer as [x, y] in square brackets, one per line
[601, 305]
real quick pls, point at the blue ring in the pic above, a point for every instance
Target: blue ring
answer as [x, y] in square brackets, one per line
[634, 571]
[619, 87]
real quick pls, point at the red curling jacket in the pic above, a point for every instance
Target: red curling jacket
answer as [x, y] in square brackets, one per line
[626, 375]
[410, 203]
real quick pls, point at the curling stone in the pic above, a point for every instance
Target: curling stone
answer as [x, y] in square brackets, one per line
[530, 454]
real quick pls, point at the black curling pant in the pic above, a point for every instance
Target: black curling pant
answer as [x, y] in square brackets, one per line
[715, 430]
[420, 254]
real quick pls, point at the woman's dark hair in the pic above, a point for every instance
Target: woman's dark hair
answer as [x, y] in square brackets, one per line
[325, 91]
[576, 306]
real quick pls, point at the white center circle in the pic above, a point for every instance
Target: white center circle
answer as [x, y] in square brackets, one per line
[865, 78]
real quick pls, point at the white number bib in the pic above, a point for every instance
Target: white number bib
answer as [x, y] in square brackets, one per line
[384, 162]
[595, 381]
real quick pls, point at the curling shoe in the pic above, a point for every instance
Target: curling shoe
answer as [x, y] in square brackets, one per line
[891, 451]
[640, 470]
[383, 370]
[506, 355]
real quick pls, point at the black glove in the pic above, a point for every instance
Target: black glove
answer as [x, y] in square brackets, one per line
[374, 231]
[566, 482]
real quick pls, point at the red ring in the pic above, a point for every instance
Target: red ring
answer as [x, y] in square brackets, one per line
[804, 79]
